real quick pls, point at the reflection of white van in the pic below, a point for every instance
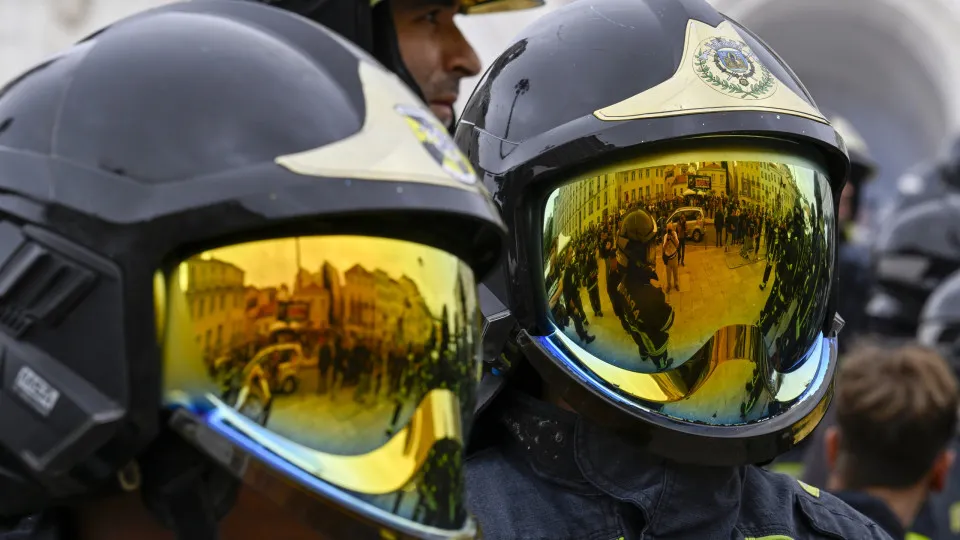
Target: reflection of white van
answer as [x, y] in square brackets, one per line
[287, 359]
[692, 213]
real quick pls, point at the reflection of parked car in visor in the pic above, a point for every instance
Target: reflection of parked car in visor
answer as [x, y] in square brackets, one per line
[692, 213]
[282, 363]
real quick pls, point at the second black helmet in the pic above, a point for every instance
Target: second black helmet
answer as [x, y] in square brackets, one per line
[602, 109]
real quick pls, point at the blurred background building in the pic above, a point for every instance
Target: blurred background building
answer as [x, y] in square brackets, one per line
[888, 66]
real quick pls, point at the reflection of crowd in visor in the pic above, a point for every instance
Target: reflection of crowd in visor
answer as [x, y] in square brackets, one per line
[802, 268]
[625, 249]
[361, 368]
[628, 261]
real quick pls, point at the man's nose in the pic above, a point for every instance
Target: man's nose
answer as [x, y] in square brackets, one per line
[459, 55]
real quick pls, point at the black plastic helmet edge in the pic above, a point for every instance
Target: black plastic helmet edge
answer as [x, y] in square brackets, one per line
[521, 160]
[79, 269]
[939, 325]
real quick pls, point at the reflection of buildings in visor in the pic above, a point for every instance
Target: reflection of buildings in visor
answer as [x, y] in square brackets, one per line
[783, 211]
[340, 362]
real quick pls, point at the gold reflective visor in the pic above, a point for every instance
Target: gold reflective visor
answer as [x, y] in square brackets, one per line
[694, 284]
[352, 359]
[381, 471]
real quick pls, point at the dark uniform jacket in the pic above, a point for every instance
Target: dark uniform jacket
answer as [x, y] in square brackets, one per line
[41, 527]
[555, 476]
[875, 509]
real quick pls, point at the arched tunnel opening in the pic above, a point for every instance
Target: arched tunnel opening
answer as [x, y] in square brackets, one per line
[860, 62]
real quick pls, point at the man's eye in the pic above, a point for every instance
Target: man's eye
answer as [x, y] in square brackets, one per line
[432, 17]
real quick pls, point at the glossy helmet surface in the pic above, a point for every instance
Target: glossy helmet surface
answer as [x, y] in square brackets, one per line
[671, 84]
[130, 158]
[924, 182]
[939, 325]
[906, 269]
[916, 249]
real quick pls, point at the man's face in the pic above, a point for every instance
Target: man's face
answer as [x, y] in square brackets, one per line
[846, 203]
[434, 51]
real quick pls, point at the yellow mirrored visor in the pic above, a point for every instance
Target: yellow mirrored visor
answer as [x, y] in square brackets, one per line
[695, 283]
[352, 358]
[383, 470]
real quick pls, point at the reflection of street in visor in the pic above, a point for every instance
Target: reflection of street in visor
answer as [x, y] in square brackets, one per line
[725, 343]
[353, 359]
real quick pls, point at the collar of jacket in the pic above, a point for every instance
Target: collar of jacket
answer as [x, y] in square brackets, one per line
[563, 448]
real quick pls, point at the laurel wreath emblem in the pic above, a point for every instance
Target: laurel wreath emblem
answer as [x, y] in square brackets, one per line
[744, 87]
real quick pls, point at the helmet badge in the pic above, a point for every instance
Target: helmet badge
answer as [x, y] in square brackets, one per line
[730, 67]
[438, 143]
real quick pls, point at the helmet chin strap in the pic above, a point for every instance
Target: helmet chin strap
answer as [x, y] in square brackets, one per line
[386, 47]
[185, 490]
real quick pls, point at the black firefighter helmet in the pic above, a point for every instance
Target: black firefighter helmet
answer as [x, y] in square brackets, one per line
[915, 251]
[636, 239]
[939, 324]
[926, 181]
[603, 107]
[369, 24]
[173, 185]
[916, 246]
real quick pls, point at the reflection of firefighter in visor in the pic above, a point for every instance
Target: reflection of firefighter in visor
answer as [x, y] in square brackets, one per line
[571, 293]
[636, 253]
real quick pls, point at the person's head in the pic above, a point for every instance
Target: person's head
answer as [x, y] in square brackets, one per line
[637, 240]
[434, 51]
[569, 121]
[896, 414]
[417, 39]
[862, 170]
[178, 187]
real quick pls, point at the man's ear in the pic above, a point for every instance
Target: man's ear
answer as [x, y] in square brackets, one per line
[940, 472]
[831, 446]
